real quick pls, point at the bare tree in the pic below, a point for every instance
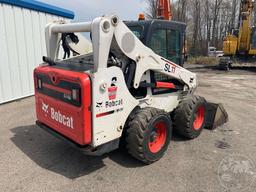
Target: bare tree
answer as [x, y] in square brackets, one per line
[196, 20]
[181, 10]
[234, 11]
[151, 12]
[216, 11]
[207, 21]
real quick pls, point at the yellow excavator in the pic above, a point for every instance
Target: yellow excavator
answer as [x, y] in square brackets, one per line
[239, 46]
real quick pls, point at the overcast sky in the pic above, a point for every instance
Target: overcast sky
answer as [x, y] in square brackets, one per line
[88, 9]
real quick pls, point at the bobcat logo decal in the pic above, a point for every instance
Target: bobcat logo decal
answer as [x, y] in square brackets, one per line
[45, 107]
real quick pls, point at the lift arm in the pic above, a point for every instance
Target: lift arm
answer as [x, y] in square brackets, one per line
[110, 33]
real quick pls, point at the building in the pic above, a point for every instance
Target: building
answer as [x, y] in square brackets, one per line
[22, 44]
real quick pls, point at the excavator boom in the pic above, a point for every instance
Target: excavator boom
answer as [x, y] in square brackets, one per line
[164, 9]
[246, 11]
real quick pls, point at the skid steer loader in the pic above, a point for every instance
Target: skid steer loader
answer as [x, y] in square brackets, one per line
[121, 91]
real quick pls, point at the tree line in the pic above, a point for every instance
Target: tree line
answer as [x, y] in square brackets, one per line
[208, 21]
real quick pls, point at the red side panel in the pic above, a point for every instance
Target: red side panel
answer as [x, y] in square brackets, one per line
[55, 106]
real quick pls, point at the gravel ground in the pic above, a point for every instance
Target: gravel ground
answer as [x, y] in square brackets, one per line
[32, 160]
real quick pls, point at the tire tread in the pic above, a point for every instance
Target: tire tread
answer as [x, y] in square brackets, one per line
[183, 115]
[136, 130]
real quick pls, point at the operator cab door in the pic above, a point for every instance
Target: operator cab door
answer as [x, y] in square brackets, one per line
[167, 39]
[167, 42]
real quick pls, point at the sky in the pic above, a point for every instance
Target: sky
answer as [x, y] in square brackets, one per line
[86, 10]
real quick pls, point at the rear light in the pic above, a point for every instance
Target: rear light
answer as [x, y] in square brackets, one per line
[75, 94]
[65, 91]
[39, 84]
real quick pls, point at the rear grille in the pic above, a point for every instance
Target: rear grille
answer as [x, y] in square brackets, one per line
[65, 91]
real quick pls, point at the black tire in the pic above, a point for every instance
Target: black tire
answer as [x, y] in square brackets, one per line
[227, 67]
[142, 131]
[186, 114]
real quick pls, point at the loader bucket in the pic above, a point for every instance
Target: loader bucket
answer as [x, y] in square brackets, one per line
[216, 116]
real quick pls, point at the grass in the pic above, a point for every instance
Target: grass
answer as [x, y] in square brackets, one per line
[203, 60]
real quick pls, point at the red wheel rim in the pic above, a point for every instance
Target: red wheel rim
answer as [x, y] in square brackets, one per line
[199, 118]
[157, 137]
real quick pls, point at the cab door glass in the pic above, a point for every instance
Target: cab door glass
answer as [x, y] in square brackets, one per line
[137, 30]
[166, 43]
[158, 42]
[173, 46]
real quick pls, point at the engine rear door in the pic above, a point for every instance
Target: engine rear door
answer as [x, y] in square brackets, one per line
[63, 101]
